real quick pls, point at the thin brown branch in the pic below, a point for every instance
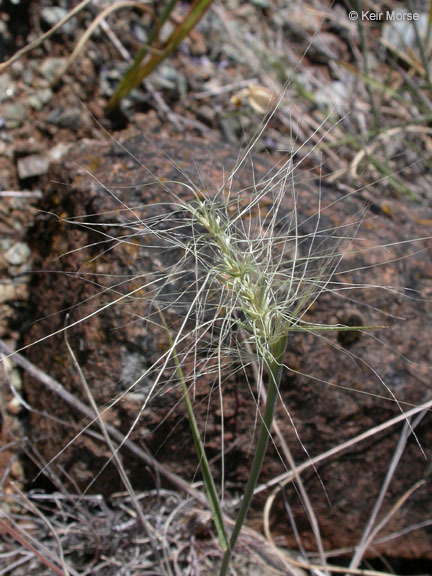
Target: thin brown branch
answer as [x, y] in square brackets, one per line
[38, 41]
[79, 406]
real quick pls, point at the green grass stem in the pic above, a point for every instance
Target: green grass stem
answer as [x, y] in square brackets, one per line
[202, 458]
[274, 367]
[138, 71]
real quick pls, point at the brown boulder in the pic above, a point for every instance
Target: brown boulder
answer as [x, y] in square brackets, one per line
[95, 250]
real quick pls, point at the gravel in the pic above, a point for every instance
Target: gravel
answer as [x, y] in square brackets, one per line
[33, 165]
[18, 254]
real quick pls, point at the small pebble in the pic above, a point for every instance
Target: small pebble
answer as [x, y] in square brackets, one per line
[17, 470]
[13, 407]
[11, 291]
[50, 67]
[28, 147]
[33, 165]
[28, 76]
[16, 69]
[51, 15]
[5, 244]
[57, 152]
[167, 77]
[7, 87]
[7, 292]
[34, 102]
[71, 118]
[40, 98]
[14, 115]
[18, 254]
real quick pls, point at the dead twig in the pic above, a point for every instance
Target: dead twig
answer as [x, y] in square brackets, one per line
[58, 389]
[114, 450]
[287, 477]
[372, 528]
[28, 542]
[38, 41]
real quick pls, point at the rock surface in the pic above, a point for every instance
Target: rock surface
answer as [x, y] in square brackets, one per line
[339, 384]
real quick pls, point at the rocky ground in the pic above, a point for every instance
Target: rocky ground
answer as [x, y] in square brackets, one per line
[345, 135]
